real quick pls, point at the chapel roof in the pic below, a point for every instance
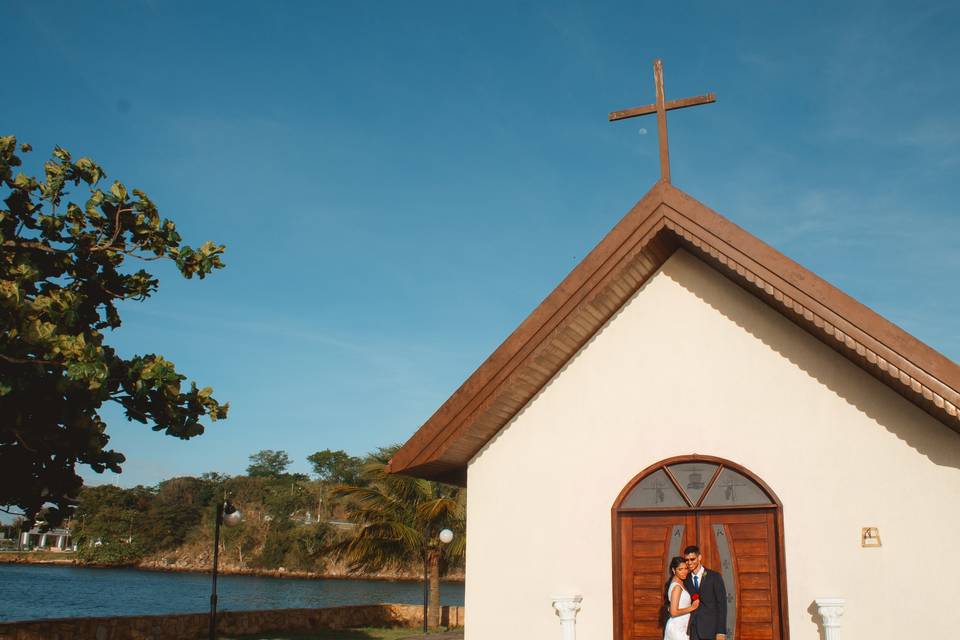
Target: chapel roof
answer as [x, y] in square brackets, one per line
[664, 220]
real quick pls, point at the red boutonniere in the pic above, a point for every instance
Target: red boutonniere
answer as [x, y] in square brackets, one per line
[695, 597]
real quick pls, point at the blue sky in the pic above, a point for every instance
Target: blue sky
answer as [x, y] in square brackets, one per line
[400, 184]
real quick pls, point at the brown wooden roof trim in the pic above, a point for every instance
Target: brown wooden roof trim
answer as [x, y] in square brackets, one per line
[475, 393]
[665, 219]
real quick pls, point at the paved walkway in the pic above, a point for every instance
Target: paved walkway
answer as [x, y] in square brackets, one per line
[449, 635]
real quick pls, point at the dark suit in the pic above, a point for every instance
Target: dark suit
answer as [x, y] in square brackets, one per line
[711, 617]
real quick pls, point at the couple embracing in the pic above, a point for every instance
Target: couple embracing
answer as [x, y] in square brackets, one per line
[696, 599]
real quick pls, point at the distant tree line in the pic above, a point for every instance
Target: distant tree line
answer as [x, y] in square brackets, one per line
[350, 513]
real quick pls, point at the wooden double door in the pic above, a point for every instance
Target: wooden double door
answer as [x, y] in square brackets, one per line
[740, 545]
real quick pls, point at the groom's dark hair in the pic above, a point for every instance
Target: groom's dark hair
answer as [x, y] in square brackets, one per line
[692, 549]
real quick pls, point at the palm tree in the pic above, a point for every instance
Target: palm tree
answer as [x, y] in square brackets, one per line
[399, 519]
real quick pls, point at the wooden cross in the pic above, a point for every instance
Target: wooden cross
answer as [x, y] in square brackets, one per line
[661, 108]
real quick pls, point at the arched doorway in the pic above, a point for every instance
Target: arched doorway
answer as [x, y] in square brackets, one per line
[735, 519]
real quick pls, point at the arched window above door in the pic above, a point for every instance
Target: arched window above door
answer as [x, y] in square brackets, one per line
[696, 482]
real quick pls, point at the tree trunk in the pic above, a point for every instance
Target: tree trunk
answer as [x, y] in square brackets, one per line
[433, 603]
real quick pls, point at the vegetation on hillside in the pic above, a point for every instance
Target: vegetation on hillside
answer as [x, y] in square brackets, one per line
[290, 521]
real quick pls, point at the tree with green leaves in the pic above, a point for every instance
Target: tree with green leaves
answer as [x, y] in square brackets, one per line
[268, 463]
[13, 529]
[178, 506]
[336, 467]
[399, 520]
[108, 524]
[64, 270]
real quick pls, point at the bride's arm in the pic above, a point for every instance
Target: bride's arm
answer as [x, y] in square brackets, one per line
[675, 609]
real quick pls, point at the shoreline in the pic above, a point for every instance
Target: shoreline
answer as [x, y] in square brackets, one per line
[49, 558]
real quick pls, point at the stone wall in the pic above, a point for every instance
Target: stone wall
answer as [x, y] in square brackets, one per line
[194, 626]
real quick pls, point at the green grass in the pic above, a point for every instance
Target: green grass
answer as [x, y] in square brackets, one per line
[345, 634]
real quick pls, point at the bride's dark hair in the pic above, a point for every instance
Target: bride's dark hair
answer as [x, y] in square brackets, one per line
[675, 562]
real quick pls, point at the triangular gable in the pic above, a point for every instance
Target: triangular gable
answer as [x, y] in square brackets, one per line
[663, 221]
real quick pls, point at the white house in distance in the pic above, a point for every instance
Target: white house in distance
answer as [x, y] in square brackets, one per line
[55, 539]
[687, 383]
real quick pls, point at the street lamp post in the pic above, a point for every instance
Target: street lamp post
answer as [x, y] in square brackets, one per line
[229, 515]
[445, 537]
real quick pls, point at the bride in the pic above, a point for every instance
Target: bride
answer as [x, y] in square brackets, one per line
[679, 602]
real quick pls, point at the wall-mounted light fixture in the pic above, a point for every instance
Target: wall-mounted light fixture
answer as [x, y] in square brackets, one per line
[870, 537]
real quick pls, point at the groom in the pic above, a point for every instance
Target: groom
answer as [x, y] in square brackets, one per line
[709, 621]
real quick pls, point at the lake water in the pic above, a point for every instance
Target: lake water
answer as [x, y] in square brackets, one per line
[31, 592]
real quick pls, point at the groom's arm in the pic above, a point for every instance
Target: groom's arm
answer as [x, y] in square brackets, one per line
[721, 591]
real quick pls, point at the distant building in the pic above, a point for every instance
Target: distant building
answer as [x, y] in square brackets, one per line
[54, 539]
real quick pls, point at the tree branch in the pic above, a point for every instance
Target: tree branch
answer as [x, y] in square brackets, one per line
[140, 257]
[23, 361]
[116, 230]
[16, 434]
[31, 244]
[123, 296]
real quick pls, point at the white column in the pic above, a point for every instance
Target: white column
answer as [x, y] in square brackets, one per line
[567, 608]
[831, 610]
[43, 540]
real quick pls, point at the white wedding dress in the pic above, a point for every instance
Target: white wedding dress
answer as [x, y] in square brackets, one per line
[676, 628]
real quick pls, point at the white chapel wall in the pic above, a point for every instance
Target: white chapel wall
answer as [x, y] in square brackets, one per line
[693, 364]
